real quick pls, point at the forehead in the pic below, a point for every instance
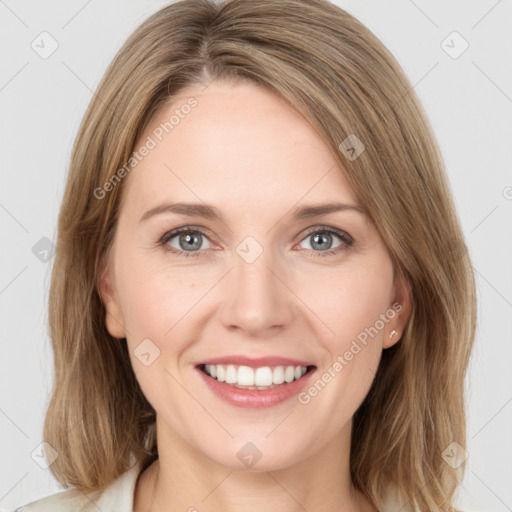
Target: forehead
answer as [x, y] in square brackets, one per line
[209, 142]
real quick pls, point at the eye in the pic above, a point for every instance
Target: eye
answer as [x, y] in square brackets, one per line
[322, 240]
[188, 241]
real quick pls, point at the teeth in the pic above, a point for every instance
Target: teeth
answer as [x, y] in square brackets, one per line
[231, 374]
[263, 377]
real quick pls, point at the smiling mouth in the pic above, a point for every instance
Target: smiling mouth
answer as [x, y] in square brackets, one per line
[261, 378]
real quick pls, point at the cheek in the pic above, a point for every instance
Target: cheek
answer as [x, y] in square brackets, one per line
[349, 299]
[161, 307]
[154, 299]
[155, 303]
[350, 302]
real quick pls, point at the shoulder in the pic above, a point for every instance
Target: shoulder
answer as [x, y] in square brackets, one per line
[71, 499]
[117, 497]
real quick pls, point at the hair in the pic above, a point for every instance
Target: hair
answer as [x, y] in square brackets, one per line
[337, 74]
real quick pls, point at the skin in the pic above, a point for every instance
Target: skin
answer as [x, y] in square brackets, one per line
[245, 151]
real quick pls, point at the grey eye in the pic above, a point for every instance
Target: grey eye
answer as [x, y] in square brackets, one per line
[322, 240]
[189, 241]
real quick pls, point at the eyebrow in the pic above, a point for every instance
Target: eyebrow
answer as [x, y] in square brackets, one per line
[211, 212]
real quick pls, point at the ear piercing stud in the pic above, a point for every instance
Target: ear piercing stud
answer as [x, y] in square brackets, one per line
[393, 333]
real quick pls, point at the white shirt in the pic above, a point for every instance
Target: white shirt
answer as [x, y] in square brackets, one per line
[117, 497]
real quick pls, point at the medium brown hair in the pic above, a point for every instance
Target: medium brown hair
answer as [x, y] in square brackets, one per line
[331, 69]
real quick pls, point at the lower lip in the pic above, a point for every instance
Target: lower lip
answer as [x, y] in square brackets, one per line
[254, 398]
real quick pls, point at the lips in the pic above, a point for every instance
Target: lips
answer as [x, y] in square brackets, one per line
[248, 397]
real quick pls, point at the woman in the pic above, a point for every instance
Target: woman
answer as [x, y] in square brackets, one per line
[211, 353]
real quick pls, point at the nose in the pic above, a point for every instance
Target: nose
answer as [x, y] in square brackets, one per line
[256, 298]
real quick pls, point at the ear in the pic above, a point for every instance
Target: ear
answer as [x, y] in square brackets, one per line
[401, 305]
[113, 316]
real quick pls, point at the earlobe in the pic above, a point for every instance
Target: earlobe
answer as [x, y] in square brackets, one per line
[113, 315]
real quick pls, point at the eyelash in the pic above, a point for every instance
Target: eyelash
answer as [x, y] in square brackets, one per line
[345, 238]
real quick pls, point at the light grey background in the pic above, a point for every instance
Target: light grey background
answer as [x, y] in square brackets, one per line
[468, 100]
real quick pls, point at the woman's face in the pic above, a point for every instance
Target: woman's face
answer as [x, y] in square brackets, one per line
[257, 280]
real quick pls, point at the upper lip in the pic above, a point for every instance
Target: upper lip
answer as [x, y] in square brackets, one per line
[255, 362]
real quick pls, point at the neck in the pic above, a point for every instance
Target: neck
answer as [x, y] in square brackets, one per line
[185, 479]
